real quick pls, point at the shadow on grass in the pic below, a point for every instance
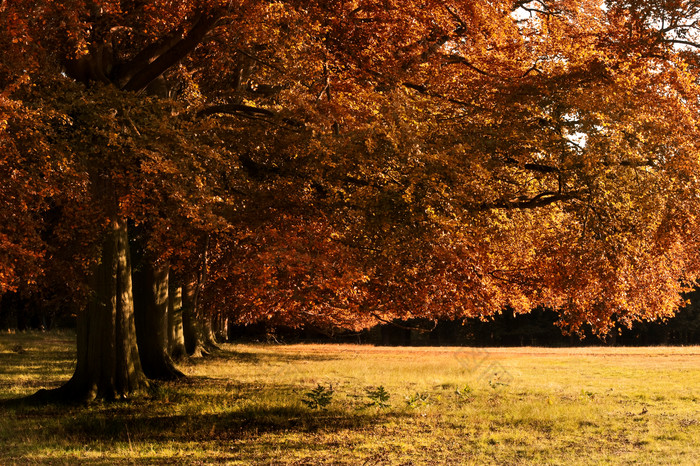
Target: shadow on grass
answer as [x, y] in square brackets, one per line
[267, 356]
[244, 423]
[42, 368]
[33, 360]
[177, 410]
[180, 414]
[206, 410]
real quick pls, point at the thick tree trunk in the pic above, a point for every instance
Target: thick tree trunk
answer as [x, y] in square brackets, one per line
[151, 311]
[108, 363]
[176, 337]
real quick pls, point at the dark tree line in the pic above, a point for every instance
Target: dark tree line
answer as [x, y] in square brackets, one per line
[537, 328]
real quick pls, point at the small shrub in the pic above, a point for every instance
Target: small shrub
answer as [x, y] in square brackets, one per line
[465, 393]
[378, 397]
[496, 384]
[319, 397]
[417, 400]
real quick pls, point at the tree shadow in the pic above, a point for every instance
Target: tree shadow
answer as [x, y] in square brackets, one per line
[237, 424]
[198, 409]
[268, 356]
[182, 418]
[34, 366]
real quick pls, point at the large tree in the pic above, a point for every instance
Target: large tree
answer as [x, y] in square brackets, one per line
[350, 161]
[487, 156]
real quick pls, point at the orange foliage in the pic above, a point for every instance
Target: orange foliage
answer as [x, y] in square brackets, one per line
[363, 159]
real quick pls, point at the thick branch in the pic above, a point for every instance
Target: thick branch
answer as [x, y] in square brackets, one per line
[454, 58]
[173, 55]
[637, 164]
[235, 109]
[422, 89]
[535, 167]
[125, 71]
[541, 200]
[543, 168]
[544, 9]
[538, 167]
[255, 113]
[682, 42]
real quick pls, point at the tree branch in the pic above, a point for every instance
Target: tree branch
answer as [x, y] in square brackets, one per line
[261, 61]
[681, 42]
[235, 109]
[173, 55]
[454, 58]
[124, 71]
[253, 113]
[541, 200]
[535, 167]
[422, 89]
[404, 327]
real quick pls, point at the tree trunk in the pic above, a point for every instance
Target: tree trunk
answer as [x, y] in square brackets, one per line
[205, 318]
[176, 337]
[199, 336]
[191, 329]
[208, 334]
[221, 328]
[108, 363]
[151, 311]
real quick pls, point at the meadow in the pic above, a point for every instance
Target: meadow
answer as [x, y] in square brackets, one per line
[344, 404]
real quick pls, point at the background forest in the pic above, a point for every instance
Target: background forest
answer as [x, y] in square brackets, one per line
[537, 328]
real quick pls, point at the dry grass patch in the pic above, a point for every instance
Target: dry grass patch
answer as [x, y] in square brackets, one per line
[446, 406]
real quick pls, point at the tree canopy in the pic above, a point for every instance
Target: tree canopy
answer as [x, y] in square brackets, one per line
[340, 162]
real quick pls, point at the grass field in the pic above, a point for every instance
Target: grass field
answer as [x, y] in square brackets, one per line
[446, 406]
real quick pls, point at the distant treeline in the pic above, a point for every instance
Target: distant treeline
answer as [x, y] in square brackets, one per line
[538, 328]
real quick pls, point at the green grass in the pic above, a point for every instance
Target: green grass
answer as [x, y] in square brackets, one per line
[447, 406]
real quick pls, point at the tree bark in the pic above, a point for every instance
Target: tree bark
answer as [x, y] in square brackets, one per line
[205, 318]
[221, 328]
[172, 55]
[108, 365]
[194, 342]
[208, 334]
[176, 337]
[151, 311]
[199, 335]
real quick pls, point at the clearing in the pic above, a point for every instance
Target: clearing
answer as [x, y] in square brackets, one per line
[246, 405]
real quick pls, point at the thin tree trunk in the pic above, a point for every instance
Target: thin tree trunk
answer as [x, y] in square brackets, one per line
[199, 336]
[151, 310]
[192, 329]
[205, 318]
[208, 334]
[176, 337]
[221, 328]
[108, 363]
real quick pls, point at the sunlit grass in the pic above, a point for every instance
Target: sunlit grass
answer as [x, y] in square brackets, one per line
[244, 406]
